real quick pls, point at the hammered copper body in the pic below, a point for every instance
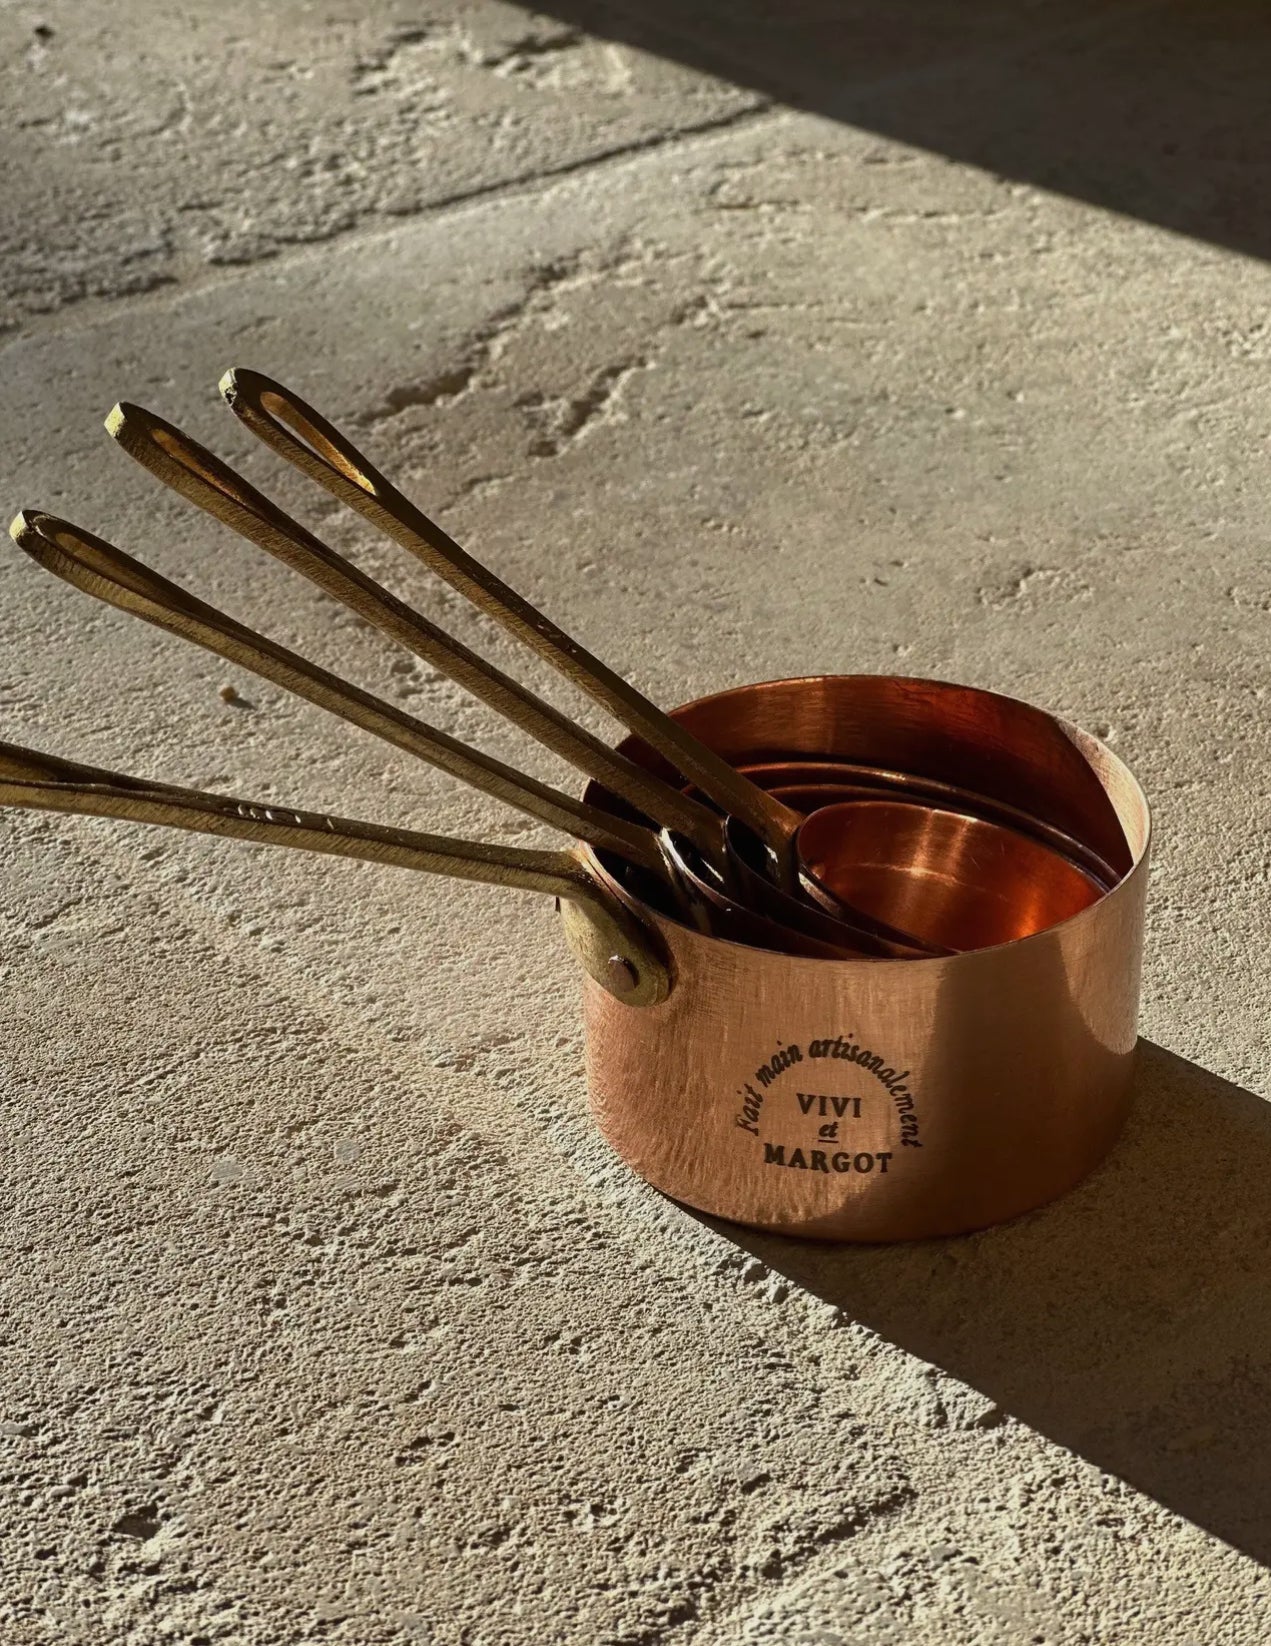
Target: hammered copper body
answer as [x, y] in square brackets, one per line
[876, 1099]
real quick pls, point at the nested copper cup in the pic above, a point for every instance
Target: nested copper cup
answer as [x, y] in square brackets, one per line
[879, 1099]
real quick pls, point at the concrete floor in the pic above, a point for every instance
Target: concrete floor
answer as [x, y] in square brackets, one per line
[326, 1316]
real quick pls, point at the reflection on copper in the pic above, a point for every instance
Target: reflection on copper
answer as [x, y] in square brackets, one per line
[952, 879]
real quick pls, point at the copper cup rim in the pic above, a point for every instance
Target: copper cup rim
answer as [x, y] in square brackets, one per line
[1107, 764]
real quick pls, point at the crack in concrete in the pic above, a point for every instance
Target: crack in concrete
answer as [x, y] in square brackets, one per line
[370, 73]
[569, 419]
[83, 311]
[557, 421]
[484, 346]
[518, 54]
[449, 385]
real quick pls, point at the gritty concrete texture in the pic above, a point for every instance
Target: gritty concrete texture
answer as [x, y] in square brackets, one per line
[159, 141]
[326, 1317]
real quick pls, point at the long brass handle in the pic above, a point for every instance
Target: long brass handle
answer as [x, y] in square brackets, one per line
[305, 438]
[201, 477]
[616, 948]
[98, 568]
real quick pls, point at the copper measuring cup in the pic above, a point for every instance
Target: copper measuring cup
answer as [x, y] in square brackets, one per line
[884, 1100]
[736, 864]
[941, 1095]
[967, 871]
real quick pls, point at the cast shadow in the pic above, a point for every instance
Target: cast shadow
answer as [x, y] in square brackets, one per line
[1153, 108]
[1130, 1321]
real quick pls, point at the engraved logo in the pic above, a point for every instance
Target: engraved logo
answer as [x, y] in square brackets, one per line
[819, 1133]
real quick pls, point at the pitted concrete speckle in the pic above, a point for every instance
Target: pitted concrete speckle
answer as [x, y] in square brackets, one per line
[326, 1316]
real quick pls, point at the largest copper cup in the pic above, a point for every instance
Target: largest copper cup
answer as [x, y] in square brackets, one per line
[887, 1099]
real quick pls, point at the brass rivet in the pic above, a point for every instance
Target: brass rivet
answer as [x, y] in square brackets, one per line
[622, 975]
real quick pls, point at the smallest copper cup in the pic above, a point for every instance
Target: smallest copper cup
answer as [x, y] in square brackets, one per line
[950, 878]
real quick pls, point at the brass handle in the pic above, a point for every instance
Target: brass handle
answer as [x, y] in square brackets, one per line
[294, 429]
[617, 949]
[202, 478]
[98, 568]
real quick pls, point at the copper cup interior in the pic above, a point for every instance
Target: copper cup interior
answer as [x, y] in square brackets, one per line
[927, 874]
[952, 879]
[814, 912]
[975, 820]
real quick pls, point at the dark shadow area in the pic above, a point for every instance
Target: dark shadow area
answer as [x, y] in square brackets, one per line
[1130, 1322]
[1158, 109]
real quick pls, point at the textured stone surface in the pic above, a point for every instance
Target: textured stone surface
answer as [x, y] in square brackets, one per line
[154, 143]
[325, 1315]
